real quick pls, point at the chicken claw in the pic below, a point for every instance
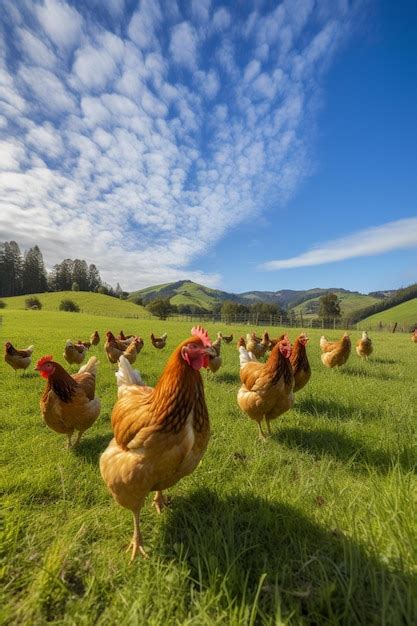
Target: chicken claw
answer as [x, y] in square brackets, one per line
[136, 543]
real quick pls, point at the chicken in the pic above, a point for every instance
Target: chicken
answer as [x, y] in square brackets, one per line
[159, 342]
[267, 388]
[161, 433]
[335, 353]
[86, 344]
[74, 353]
[114, 348]
[299, 361]
[226, 339]
[133, 349]
[216, 361]
[95, 338]
[257, 346]
[68, 402]
[414, 336]
[122, 337]
[364, 346]
[17, 359]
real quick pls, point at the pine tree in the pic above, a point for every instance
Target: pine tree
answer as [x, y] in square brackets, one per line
[11, 269]
[80, 274]
[94, 280]
[34, 274]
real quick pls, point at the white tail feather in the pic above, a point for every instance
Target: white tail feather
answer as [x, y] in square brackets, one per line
[245, 356]
[90, 366]
[30, 349]
[126, 375]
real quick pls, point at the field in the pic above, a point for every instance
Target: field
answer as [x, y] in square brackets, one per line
[93, 303]
[314, 527]
[349, 303]
[404, 313]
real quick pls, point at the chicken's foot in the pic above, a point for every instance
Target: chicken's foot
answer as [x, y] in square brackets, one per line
[160, 502]
[136, 544]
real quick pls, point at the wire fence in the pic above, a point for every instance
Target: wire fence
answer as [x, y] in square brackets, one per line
[285, 321]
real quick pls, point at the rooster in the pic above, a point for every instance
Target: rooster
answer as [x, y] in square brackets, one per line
[299, 361]
[74, 352]
[68, 402]
[95, 338]
[267, 388]
[335, 353]
[17, 359]
[216, 361]
[159, 342]
[364, 347]
[161, 433]
[226, 339]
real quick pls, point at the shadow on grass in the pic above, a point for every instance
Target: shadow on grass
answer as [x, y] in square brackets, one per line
[269, 559]
[228, 378]
[90, 448]
[320, 407]
[349, 371]
[379, 359]
[354, 453]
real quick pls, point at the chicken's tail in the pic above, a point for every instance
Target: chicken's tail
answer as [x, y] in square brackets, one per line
[30, 349]
[245, 356]
[323, 341]
[90, 366]
[126, 376]
[164, 336]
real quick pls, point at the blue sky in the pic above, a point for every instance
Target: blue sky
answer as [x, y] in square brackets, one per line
[244, 145]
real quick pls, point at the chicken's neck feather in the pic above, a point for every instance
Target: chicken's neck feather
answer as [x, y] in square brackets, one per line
[277, 365]
[62, 384]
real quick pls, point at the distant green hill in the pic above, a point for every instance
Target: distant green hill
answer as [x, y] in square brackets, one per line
[405, 314]
[350, 302]
[186, 292]
[94, 303]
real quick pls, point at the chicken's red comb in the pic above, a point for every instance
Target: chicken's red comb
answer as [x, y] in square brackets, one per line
[43, 360]
[198, 331]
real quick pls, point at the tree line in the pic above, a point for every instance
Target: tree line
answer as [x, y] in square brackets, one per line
[22, 274]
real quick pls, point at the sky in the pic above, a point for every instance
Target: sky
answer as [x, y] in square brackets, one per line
[244, 145]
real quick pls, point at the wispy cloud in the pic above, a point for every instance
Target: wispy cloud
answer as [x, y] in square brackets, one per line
[138, 140]
[369, 242]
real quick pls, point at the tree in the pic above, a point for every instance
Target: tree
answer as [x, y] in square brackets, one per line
[94, 280]
[11, 269]
[329, 306]
[161, 307]
[79, 274]
[61, 277]
[34, 274]
[118, 291]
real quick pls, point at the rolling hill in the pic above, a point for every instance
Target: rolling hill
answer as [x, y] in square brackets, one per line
[94, 303]
[405, 314]
[350, 302]
[186, 292]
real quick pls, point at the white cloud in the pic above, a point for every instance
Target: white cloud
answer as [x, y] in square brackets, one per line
[369, 242]
[62, 23]
[36, 50]
[183, 45]
[149, 164]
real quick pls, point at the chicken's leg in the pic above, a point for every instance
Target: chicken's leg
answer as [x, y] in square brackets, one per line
[136, 544]
[262, 435]
[77, 441]
[69, 444]
[160, 502]
[268, 426]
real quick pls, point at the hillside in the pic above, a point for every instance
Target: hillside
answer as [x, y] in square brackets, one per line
[94, 303]
[186, 292]
[404, 313]
[350, 302]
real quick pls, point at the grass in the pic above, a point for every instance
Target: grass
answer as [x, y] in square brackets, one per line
[349, 303]
[315, 527]
[405, 314]
[93, 303]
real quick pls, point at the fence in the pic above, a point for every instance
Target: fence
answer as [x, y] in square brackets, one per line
[247, 319]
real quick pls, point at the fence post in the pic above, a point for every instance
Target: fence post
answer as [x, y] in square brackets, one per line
[302, 321]
[395, 327]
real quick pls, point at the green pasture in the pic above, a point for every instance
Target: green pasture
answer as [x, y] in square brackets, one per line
[317, 526]
[404, 313]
